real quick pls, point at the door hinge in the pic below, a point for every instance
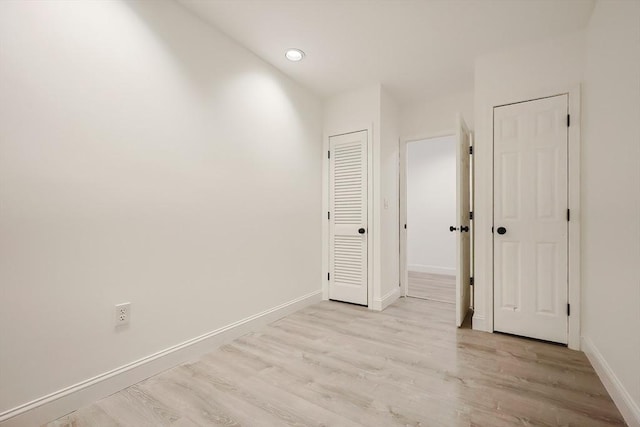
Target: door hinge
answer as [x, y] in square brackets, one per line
[328, 215]
[328, 154]
[470, 215]
[471, 149]
[471, 281]
[328, 276]
[568, 309]
[568, 120]
[568, 214]
[405, 226]
[492, 229]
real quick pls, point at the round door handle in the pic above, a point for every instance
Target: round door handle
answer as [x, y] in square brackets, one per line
[361, 230]
[502, 230]
[464, 228]
[452, 228]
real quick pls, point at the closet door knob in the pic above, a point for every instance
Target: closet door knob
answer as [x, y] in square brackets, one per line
[501, 230]
[361, 230]
[452, 228]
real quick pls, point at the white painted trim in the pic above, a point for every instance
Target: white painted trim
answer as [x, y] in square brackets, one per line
[324, 282]
[402, 215]
[404, 270]
[68, 399]
[325, 207]
[484, 220]
[380, 304]
[372, 214]
[432, 269]
[575, 284]
[479, 322]
[421, 137]
[621, 397]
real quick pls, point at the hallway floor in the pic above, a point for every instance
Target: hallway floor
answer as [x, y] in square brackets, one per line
[436, 287]
[336, 364]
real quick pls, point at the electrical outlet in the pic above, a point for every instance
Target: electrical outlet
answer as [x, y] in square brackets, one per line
[123, 313]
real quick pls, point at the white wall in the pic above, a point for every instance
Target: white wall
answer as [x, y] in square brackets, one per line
[435, 116]
[354, 110]
[512, 75]
[144, 157]
[372, 108]
[389, 187]
[431, 205]
[611, 196]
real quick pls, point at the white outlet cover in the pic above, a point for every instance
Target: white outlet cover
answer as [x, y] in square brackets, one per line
[122, 314]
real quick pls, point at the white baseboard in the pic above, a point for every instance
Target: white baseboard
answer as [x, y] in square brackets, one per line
[629, 409]
[50, 407]
[380, 304]
[478, 323]
[432, 269]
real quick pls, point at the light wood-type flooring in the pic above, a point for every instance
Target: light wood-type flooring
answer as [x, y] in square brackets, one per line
[334, 364]
[437, 287]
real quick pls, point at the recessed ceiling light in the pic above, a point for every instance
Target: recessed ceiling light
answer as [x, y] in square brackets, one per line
[294, 55]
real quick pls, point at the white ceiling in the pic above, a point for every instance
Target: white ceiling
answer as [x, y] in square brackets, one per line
[416, 48]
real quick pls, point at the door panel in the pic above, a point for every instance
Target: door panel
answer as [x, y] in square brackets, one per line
[546, 267]
[463, 207]
[348, 218]
[511, 185]
[510, 272]
[530, 203]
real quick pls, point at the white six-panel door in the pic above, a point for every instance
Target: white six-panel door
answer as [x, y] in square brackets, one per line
[348, 218]
[530, 219]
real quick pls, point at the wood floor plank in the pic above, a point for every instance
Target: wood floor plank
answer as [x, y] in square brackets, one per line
[436, 287]
[177, 391]
[333, 378]
[88, 416]
[334, 364]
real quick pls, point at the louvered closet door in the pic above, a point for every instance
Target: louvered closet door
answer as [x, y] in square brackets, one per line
[348, 218]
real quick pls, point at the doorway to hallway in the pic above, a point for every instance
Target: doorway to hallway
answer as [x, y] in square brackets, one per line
[443, 196]
[431, 209]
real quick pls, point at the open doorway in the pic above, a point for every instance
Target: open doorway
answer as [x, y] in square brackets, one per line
[431, 210]
[436, 182]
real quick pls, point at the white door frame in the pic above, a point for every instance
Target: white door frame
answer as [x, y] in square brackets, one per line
[404, 271]
[368, 127]
[573, 92]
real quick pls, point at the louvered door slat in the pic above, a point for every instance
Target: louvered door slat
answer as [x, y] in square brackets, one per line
[348, 205]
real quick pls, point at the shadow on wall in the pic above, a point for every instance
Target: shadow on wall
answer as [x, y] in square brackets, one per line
[227, 67]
